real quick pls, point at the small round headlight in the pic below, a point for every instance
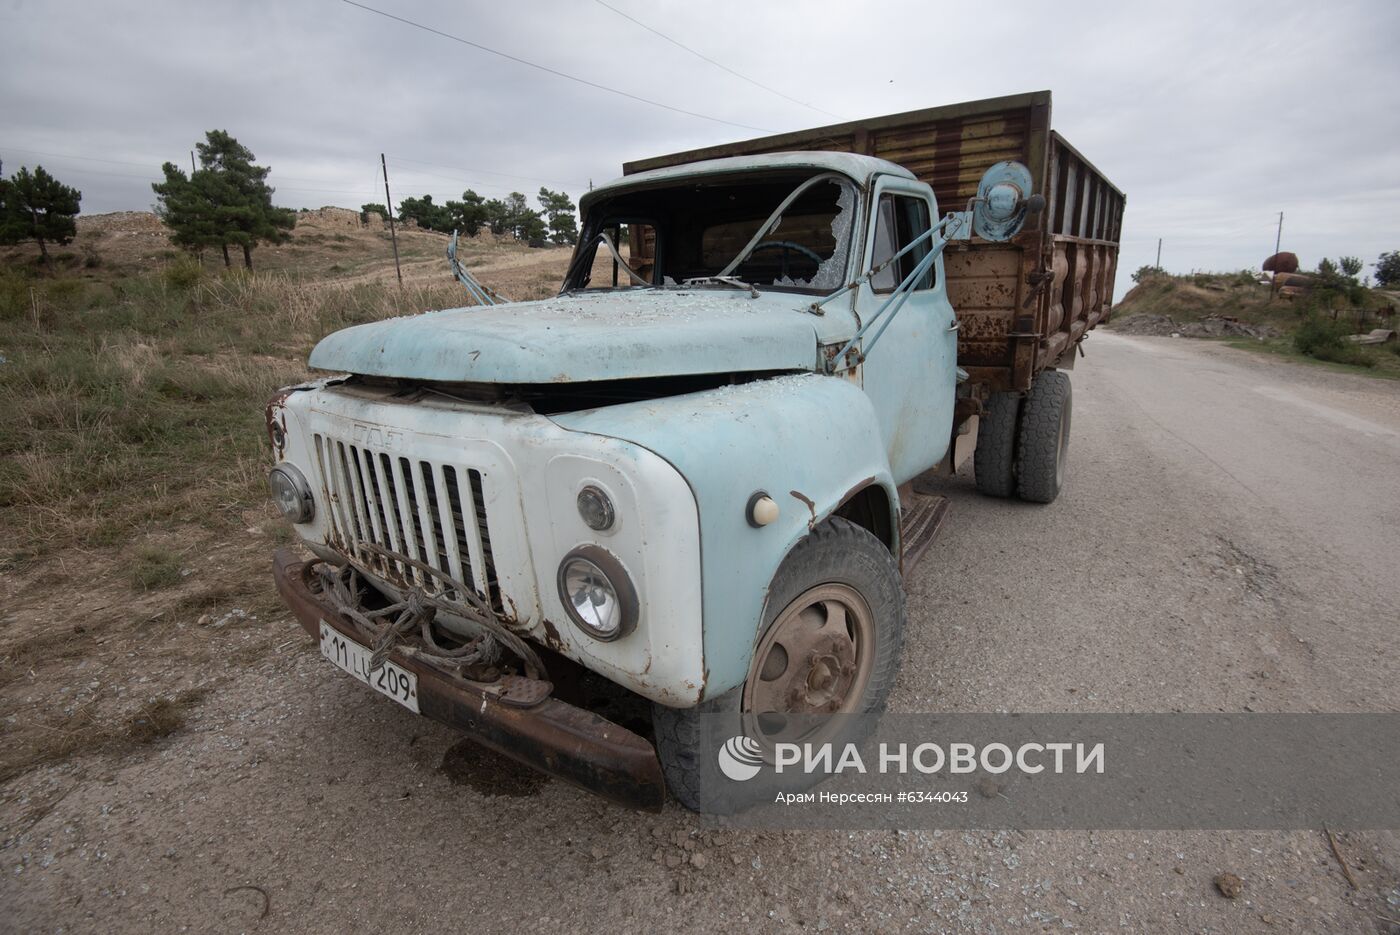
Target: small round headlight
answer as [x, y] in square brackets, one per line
[596, 508]
[597, 593]
[291, 493]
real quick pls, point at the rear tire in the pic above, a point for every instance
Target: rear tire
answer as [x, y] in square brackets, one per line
[1042, 448]
[838, 552]
[994, 459]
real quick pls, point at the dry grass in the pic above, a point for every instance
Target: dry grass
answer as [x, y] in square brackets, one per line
[137, 401]
[133, 460]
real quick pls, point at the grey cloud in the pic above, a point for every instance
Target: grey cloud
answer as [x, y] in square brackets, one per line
[1211, 116]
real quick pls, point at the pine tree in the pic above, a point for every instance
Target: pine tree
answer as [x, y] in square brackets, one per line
[563, 227]
[226, 201]
[38, 207]
[186, 206]
[469, 214]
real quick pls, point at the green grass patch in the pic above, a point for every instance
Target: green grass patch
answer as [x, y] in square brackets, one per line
[154, 567]
[133, 403]
[1381, 361]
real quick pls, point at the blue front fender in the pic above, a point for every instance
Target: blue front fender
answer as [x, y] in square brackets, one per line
[807, 440]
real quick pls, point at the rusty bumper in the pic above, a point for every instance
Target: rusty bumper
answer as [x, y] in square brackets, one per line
[549, 735]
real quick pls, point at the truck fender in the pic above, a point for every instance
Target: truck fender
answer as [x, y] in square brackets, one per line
[809, 441]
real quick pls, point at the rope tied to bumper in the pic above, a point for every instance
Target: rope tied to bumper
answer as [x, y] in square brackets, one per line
[417, 610]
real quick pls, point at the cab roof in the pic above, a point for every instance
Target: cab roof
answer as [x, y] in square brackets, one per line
[860, 169]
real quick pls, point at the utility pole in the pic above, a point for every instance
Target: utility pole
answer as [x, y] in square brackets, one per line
[389, 207]
[1159, 252]
[191, 162]
[1278, 243]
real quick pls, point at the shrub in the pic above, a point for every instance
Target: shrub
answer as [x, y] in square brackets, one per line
[1148, 272]
[1322, 339]
[1319, 334]
[185, 273]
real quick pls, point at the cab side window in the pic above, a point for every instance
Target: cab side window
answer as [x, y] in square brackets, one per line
[899, 219]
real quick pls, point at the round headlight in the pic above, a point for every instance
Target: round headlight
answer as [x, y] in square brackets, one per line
[597, 593]
[291, 493]
[596, 509]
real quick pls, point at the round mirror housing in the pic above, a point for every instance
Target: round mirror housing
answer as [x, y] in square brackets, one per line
[1004, 201]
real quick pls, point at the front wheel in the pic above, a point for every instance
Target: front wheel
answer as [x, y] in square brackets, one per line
[831, 640]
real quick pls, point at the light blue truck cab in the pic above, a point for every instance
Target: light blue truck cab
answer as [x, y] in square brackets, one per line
[681, 475]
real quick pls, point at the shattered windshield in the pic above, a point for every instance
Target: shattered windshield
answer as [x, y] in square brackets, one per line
[698, 229]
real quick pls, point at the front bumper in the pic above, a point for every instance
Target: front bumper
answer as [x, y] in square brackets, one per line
[545, 733]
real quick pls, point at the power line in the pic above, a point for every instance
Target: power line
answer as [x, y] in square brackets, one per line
[552, 71]
[705, 58]
[276, 178]
[38, 152]
[506, 175]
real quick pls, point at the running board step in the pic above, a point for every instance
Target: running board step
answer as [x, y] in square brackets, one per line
[920, 520]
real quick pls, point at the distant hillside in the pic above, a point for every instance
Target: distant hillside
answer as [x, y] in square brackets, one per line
[327, 243]
[1203, 305]
[1224, 305]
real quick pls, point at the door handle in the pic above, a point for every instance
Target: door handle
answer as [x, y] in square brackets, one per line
[954, 325]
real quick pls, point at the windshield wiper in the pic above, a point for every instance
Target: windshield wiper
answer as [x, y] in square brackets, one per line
[734, 281]
[771, 224]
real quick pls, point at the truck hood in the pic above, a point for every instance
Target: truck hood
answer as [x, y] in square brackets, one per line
[598, 336]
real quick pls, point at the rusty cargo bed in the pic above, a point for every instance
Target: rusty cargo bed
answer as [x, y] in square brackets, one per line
[1023, 305]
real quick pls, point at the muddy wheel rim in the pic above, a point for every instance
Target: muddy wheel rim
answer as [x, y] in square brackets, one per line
[815, 659]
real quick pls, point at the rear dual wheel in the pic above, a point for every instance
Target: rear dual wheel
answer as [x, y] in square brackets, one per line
[1023, 443]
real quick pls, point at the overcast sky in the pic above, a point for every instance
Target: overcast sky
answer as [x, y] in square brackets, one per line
[1212, 116]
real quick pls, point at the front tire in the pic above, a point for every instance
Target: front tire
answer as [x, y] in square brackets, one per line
[831, 642]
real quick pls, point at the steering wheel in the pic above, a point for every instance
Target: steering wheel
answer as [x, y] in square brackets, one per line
[785, 246]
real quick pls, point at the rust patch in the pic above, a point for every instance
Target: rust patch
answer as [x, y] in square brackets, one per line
[861, 485]
[275, 417]
[811, 508]
[551, 635]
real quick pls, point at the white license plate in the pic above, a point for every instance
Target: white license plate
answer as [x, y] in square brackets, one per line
[395, 681]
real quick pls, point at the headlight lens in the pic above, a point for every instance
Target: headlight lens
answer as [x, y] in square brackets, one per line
[291, 493]
[597, 593]
[596, 509]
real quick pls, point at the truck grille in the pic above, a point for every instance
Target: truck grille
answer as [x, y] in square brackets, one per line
[432, 513]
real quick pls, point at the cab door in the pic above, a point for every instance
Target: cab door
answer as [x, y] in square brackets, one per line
[910, 373]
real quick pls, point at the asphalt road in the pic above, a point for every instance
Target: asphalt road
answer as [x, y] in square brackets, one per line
[1227, 541]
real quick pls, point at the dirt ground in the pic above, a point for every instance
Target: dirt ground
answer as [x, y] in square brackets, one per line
[1226, 542]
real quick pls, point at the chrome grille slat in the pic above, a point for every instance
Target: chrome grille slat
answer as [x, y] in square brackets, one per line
[430, 512]
[433, 523]
[446, 526]
[350, 484]
[369, 495]
[326, 465]
[403, 516]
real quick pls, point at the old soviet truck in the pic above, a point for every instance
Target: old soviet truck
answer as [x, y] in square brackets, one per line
[690, 474]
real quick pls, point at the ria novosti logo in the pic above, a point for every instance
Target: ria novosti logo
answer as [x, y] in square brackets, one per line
[740, 758]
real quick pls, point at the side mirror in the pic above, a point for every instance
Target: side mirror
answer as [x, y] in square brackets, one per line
[1004, 202]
